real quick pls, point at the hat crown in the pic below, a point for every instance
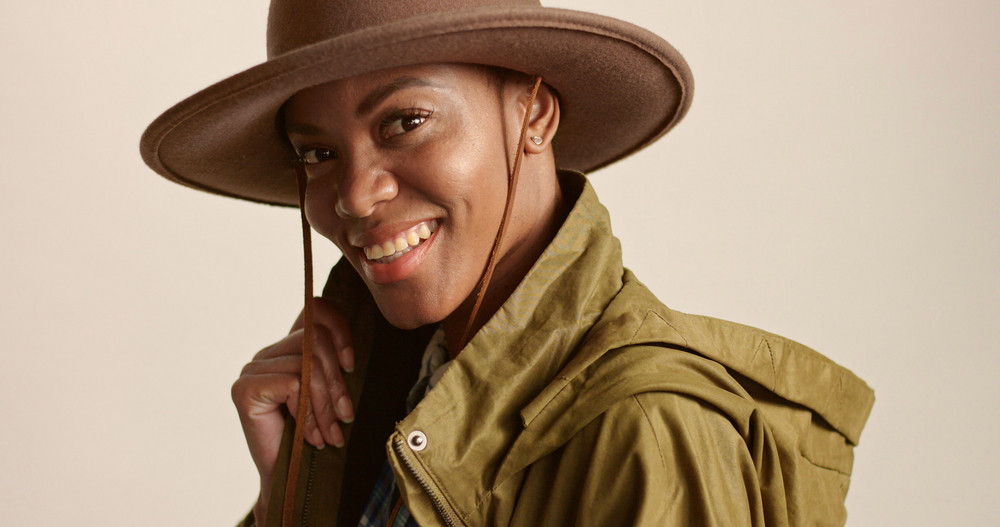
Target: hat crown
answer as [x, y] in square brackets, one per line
[293, 24]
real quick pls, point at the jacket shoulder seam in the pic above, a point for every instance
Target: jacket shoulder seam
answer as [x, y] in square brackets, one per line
[649, 423]
[665, 321]
[764, 343]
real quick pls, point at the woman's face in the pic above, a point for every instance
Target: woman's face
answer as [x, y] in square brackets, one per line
[407, 175]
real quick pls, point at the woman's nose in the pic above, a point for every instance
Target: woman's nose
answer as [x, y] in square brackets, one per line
[362, 187]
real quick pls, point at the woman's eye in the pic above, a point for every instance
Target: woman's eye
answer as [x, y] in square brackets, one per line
[399, 123]
[316, 155]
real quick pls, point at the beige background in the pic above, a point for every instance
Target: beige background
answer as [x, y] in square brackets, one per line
[836, 181]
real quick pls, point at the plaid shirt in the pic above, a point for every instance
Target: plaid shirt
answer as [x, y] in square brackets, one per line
[385, 498]
[382, 503]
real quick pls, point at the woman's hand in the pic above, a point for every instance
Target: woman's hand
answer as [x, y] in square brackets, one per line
[271, 380]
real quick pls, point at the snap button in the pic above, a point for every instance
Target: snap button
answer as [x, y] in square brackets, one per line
[417, 441]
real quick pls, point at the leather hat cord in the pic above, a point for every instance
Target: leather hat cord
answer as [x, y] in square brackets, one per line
[484, 282]
[307, 343]
[307, 316]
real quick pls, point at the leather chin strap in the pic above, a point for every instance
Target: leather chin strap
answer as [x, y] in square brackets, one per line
[484, 281]
[307, 314]
[307, 353]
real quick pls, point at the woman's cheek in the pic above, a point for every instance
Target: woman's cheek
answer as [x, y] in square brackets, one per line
[322, 215]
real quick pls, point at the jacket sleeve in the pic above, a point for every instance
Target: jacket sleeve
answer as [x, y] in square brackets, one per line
[663, 459]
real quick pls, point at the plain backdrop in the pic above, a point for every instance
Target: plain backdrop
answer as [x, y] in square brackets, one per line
[837, 181]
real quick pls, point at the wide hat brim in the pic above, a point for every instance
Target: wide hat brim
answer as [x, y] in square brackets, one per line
[620, 88]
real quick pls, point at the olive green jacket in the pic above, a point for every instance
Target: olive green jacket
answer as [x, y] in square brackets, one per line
[585, 401]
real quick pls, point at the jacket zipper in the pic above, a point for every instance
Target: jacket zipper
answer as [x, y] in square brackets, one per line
[309, 487]
[449, 517]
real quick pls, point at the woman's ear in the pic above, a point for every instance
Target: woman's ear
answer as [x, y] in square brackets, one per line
[544, 120]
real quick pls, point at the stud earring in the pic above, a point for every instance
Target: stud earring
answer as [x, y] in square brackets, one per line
[537, 140]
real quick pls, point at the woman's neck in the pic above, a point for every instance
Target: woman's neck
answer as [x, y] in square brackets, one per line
[538, 219]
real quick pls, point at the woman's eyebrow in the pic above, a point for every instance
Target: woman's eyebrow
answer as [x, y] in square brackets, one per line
[302, 129]
[380, 93]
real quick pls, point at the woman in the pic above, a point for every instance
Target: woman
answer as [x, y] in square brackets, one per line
[481, 356]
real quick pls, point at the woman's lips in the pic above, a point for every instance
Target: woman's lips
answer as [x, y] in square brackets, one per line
[398, 257]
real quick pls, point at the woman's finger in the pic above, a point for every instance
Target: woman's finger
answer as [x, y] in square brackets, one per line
[323, 392]
[328, 317]
[323, 397]
[291, 364]
[311, 432]
[258, 399]
[340, 333]
[326, 362]
[336, 388]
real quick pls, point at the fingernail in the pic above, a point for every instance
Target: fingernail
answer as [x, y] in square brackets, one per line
[321, 446]
[348, 355]
[344, 409]
[336, 433]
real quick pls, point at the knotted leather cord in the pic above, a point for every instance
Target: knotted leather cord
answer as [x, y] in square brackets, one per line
[291, 481]
[307, 342]
[484, 282]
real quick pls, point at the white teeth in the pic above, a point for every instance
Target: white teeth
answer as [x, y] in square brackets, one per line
[404, 242]
[388, 249]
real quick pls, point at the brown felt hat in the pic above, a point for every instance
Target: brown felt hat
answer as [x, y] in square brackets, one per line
[620, 87]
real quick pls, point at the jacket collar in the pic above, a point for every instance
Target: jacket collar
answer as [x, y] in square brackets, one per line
[474, 415]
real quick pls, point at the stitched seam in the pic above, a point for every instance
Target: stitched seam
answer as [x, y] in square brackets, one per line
[831, 469]
[774, 372]
[757, 351]
[631, 337]
[659, 447]
[673, 327]
[487, 496]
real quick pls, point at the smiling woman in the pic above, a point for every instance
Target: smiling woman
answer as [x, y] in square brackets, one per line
[404, 171]
[482, 355]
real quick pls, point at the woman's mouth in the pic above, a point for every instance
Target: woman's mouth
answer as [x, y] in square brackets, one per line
[400, 244]
[398, 256]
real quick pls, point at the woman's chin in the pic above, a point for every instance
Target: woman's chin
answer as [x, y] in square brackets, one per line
[409, 316]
